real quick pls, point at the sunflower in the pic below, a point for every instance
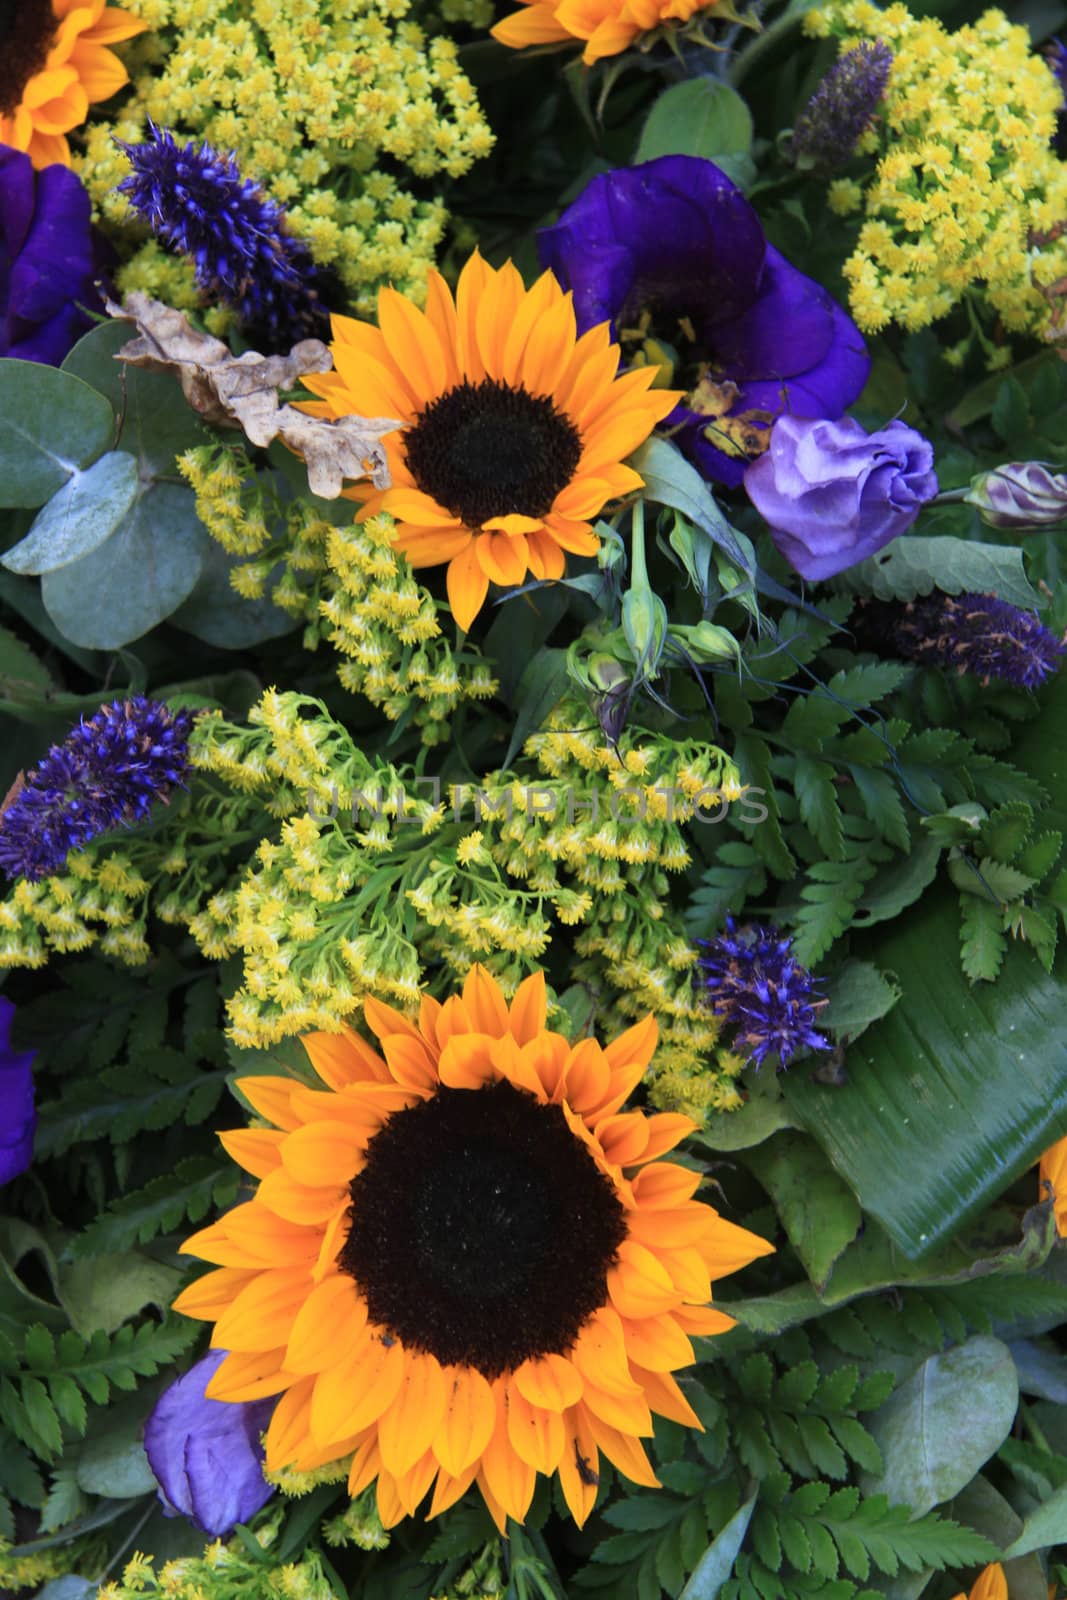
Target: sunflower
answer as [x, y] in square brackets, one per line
[1053, 1171]
[55, 64]
[513, 429]
[464, 1262]
[990, 1584]
[607, 26]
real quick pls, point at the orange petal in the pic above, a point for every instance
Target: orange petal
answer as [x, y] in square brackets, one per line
[209, 1296]
[578, 1468]
[332, 1317]
[352, 1394]
[528, 1013]
[263, 1312]
[468, 1423]
[550, 1381]
[343, 1058]
[666, 1399]
[298, 1202]
[324, 1154]
[249, 1376]
[657, 1343]
[409, 1424]
[258, 1150]
[537, 1435]
[510, 1479]
[639, 1286]
[467, 586]
[270, 1098]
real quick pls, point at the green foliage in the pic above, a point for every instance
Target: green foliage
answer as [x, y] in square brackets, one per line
[188, 1193]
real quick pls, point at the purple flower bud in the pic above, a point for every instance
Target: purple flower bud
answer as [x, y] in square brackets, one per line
[1021, 494]
[834, 495]
[18, 1114]
[206, 1453]
[840, 110]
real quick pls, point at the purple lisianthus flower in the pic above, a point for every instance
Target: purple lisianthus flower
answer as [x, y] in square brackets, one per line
[18, 1113]
[834, 495]
[206, 1453]
[671, 251]
[50, 257]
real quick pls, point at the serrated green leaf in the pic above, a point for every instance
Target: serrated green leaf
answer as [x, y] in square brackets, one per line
[818, 1211]
[857, 995]
[983, 941]
[913, 566]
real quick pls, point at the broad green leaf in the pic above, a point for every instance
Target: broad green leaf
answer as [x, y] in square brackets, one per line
[19, 665]
[136, 578]
[953, 1094]
[105, 1293]
[700, 117]
[79, 516]
[757, 1119]
[157, 421]
[913, 566]
[818, 1211]
[671, 481]
[51, 423]
[933, 1435]
[717, 1562]
[112, 1461]
[541, 687]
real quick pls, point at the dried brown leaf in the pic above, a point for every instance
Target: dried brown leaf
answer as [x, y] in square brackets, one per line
[242, 392]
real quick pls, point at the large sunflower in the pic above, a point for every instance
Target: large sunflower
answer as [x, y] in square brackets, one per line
[513, 429]
[54, 64]
[464, 1262]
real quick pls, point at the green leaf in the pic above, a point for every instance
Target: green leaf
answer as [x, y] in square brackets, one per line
[79, 517]
[911, 566]
[671, 481]
[857, 995]
[757, 1119]
[19, 665]
[813, 782]
[157, 421]
[898, 884]
[50, 425]
[136, 578]
[932, 1435]
[1043, 1527]
[105, 1293]
[952, 1095]
[983, 941]
[217, 614]
[112, 1461]
[717, 1562]
[541, 687]
[701, 117]
[189, 1191]
[818, 1211]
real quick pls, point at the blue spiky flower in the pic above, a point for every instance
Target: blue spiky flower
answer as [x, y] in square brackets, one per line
[106, 774]
[752, 980]
[197, 203]
[840, 111]
[979, 635]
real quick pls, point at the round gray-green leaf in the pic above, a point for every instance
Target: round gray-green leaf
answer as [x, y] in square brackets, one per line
[79, 516]
[50, 424]
[136, 578]
[943, 1424]
[218, 615]
[157, 421]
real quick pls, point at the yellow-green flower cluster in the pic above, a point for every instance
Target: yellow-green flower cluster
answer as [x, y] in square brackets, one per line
[225, 1572]
[98, 900]
[322, 101]
[371, 879]
[385, 624]
[968, 196]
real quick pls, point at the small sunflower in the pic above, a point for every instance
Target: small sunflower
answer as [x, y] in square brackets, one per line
[513, 429]
[54, 64]
[464, 1262]
[1053, 1171]
[607, 26]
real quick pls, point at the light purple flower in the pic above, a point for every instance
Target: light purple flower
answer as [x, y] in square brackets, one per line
[206, 1453]
[18, 1114]
[834, 495]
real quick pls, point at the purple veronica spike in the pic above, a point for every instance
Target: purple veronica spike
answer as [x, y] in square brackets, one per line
[18, 1114]
[106, 774]
[197, 203]
[673, 246]
[754, 983]
[840, 110]
[976, 634]
[50, 258]
[207, 1454]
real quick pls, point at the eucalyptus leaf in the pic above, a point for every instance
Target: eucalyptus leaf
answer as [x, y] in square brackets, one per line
[218, 615]
[79, 517]
[51, 423]
[157, 421]
[700, 117]
[1042, 1370]
[136, 578]
[913, 566]
[953, 1094]
[717, 1562]
[112, 1460]
[932, 1434]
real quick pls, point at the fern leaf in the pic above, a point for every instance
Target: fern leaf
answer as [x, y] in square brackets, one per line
[196, 1185]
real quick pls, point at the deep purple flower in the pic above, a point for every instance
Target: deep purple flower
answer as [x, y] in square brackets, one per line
[18, 1113]
[833, 494]
[106, 774]
[50, 257]
[840, 111]
[672, 249]
[1055, 52]
[198, 204]
[971, 633]
[754, 983]
[207, 1454]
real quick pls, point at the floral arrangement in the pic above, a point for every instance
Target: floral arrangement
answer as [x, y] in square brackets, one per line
[533, 616]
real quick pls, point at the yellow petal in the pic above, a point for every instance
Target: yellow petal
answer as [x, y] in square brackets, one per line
[332, 1316]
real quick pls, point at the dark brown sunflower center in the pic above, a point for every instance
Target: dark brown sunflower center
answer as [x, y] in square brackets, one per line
[485, 450]
[27, 28]
[481, 1229]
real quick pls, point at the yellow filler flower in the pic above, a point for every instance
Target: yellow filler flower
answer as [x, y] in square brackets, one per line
[607, 26]
[464, 1262]
[56, 64]
[513, 429]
